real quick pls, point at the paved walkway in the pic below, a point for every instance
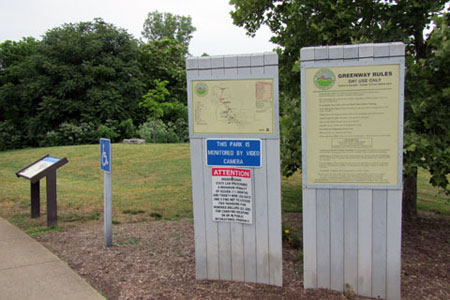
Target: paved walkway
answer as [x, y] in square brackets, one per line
[29, 271]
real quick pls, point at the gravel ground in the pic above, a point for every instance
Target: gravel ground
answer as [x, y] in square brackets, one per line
[155, 260]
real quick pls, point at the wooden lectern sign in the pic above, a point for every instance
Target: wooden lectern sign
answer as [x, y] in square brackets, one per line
[44, 167]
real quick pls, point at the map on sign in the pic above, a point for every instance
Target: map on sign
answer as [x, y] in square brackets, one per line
[243, 106]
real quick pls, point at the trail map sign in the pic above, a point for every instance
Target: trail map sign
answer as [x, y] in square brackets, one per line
[233, 106]
[235, 164]
[232, 195]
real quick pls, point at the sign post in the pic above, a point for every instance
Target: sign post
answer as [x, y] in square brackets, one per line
[235, 165]
[105, 166]
[44, 167]
[352, 145]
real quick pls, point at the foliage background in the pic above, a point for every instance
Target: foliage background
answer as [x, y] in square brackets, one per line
[86, 80]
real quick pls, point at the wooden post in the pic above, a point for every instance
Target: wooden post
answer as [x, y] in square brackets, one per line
[35, 200]
[51, 199]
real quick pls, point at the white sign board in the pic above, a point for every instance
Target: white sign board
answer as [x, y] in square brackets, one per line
[38, 167]
[232, 195]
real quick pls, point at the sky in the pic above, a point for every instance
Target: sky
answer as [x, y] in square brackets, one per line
[215, 34]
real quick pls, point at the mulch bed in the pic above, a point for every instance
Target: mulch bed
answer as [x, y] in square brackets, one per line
[155, 260]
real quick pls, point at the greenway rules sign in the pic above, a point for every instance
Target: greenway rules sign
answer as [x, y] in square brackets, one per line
[232, 195]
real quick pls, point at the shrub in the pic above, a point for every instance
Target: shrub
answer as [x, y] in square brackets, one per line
[10, 136]
[157, 131]
[70, 134]
[107, 132]
[127, 129]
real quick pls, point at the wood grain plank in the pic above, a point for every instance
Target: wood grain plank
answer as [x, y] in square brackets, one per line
[365, 242]
[351, 240]
[323, 238]
[379, 244]
[393, 244]
[261, 220]
[309, 238]
[274, 211]
[337, 239]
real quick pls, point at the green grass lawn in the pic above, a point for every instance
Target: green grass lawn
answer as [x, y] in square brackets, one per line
[150, 181]
[429, 198]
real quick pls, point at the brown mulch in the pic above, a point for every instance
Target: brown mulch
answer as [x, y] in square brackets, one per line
[155, 260]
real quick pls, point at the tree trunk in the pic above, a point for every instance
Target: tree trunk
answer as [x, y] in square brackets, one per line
[410, 195]
[154, 131]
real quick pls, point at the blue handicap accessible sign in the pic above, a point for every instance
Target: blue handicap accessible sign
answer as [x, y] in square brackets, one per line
[231, 152]
[105, 155]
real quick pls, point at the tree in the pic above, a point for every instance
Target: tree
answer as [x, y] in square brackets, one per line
[165, 60]
[155, 102]
[302, 23]
[94, 70]
[427, 139]
[159, 26]
[17, 91]
[80, 76]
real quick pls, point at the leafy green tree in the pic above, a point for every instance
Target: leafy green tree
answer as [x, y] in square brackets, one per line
[18, 90]
[427, 138]
[159, 26]
[302, 23]
[165, 61]
[88, 72]
[155, 102]
[93, 71]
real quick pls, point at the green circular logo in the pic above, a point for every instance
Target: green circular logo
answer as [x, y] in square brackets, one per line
[201, 89]
[324, 79]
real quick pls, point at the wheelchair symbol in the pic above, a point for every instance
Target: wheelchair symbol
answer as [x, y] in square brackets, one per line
[104, 156]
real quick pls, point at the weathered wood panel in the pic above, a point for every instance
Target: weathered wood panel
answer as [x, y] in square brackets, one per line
[234, 251]
[359, 227]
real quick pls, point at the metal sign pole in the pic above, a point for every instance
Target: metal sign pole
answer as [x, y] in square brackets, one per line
[105, 166]
[107, 208]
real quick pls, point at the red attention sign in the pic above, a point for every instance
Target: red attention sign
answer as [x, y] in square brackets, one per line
[231, 172]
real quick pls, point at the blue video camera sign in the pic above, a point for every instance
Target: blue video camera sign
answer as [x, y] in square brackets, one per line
[233, 152]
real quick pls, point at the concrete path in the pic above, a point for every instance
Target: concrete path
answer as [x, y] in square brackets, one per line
[29, 271]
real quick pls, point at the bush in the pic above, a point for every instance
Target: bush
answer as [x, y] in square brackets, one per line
[127, 129]
[181, 128]
[164, 133]
[10, 136]
[107, 133]
[70, 134]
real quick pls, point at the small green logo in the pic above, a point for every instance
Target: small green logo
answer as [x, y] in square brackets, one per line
[324, 79]
[201, 89]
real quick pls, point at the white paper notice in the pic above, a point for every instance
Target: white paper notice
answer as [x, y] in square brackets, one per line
[232, 195]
